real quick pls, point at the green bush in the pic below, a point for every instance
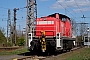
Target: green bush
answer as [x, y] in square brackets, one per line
[2, 39]
[21, 41]
[9, 44]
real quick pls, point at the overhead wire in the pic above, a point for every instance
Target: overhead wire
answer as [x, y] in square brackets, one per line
[64, 8]
[69, 8]
[4, 8]
[79, 7]
[88, 6]
[12, 9]
[83, 16]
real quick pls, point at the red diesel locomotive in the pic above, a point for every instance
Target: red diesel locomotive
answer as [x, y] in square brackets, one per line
[52, 33]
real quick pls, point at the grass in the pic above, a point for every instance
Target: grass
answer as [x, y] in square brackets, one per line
[14, 52]
[81, 54]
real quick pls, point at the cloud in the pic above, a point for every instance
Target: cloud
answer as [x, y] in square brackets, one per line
[82, 9]
[76, 4]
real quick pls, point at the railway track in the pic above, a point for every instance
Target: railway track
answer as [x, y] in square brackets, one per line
[30, 58]
[8, 48]
[35, 57]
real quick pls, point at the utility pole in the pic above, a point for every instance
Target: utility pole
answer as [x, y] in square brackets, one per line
[15, 10]
[9, 26]
[31, 17]
[32, 14]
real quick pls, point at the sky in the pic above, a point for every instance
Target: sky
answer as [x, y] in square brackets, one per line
[75, 9]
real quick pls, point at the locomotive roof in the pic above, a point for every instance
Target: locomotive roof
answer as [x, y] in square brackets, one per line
[60, 16]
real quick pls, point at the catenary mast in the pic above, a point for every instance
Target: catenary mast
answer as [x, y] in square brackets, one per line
[31, 17]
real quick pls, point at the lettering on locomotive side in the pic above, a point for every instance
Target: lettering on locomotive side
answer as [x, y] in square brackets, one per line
[44, 22]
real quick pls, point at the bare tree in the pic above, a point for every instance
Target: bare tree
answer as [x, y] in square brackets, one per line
[3, 30]
[74, 28]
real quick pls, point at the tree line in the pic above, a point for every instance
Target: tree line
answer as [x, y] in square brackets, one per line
[20, 38]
